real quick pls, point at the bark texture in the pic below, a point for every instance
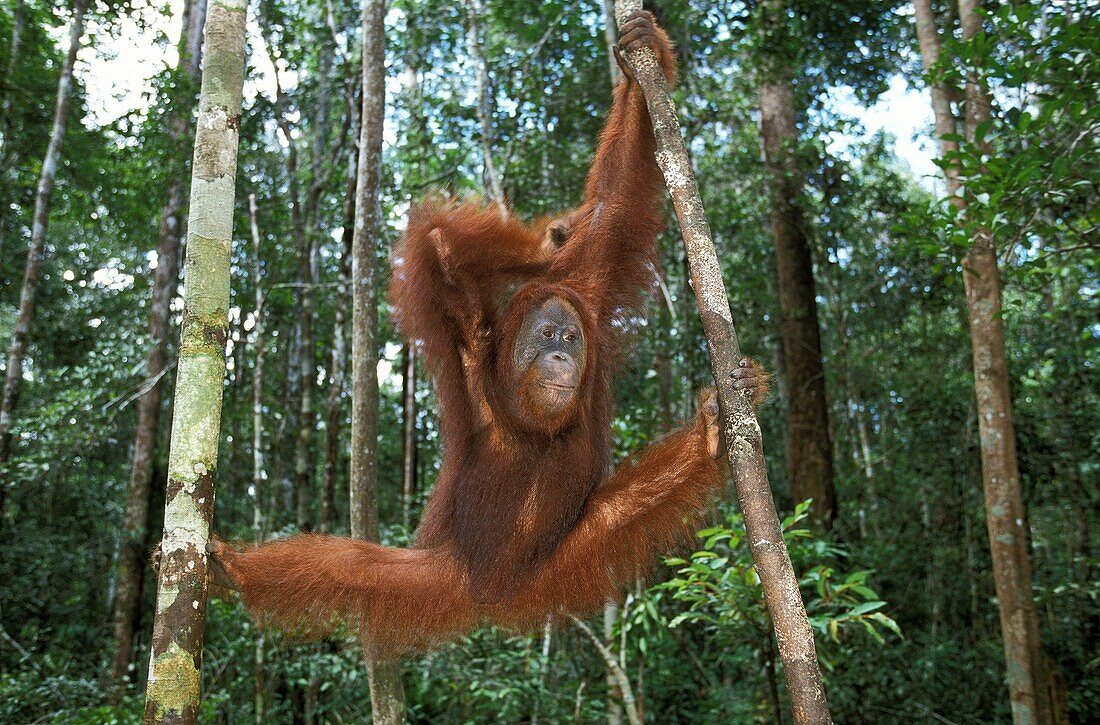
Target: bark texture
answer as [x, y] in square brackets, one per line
[744, 447]
[387, 695]
[135, 534]
[809, 448]
[176, 658]
[20, 334]
[1006, 518]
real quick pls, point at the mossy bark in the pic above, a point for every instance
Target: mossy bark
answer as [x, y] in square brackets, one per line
[176, 657]
[744, 447]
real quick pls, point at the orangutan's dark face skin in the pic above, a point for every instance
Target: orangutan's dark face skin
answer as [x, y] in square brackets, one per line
[548, 357]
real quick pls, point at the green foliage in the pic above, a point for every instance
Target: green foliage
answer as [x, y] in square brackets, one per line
[697, 647]
[721, 597]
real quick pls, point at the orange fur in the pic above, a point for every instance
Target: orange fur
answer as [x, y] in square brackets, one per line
[521, 523]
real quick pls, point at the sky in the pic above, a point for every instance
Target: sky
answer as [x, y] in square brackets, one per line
[116, 70]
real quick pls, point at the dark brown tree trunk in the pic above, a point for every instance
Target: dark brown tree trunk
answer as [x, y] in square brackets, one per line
[809, 448]
[135, 538]
[387, 695]
[21, 331]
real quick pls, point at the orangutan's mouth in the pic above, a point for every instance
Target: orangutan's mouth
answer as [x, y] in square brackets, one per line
[563, 388]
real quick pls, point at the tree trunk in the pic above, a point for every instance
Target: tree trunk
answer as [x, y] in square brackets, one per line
[19, 17]
[744, 447]
[258, 474]
[334, 404]
[543, 669]
[614, 692]
[176, 656]
[408, 434]
[1006, 518]
[135, 536]
[809, 448]
[615, 673]
[20, 333]
[387, 695]
[490, 177]
[304, 365]
[610, 38]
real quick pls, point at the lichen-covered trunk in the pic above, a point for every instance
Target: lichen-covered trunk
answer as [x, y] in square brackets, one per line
[1006, 518]
[387, 695]
[175, 661]
[135, 535]
[809, 448]
[21, 330]
[744, 447]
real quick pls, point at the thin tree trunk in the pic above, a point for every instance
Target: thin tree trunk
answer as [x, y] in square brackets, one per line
[809, 448]
[20, 334]
[772, 683]
[258, 474]
[408, 434]
[544, 668]
[305, 372]
[307, 364]
[387, 695]
[334, 404]
[614, 692]
[744, 447]
[176, 658]
[135, 535]
[630, 706]
[611, 38]
[14, 56]
[1006, 518]
[490, 177]
[309, 277]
